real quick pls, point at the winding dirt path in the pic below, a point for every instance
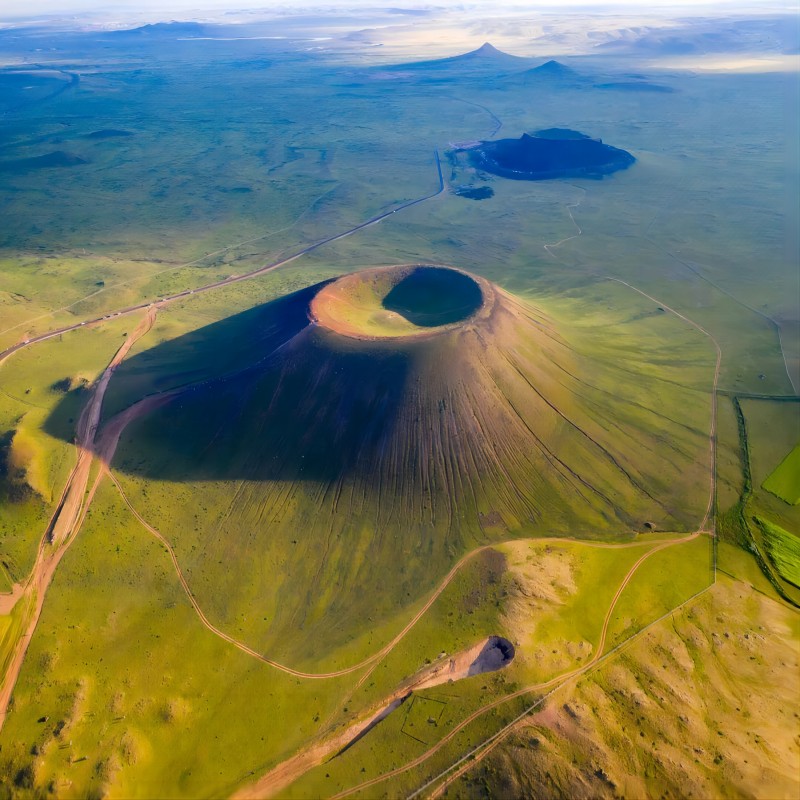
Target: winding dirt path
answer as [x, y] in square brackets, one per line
[68, 517]
[375, 657]
[550, 247]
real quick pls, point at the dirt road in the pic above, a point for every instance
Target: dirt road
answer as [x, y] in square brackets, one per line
[68, 516]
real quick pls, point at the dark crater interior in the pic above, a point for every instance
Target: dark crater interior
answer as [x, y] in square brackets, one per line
[433, 296]
[550, 153]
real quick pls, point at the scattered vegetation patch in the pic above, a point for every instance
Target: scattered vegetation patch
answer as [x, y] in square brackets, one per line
[68, 384]
[14, 487]
[475, 192]
[783, 549]
[58, 158]
[108, 133]
[636, 86]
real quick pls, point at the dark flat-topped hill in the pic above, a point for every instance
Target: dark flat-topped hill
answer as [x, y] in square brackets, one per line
[160, 30]
[636, 86]
[550, 153]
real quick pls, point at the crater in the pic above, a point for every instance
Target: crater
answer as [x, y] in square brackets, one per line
[401, 301]
[547, 154]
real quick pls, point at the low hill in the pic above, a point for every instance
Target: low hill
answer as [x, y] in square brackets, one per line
[635, 86]
[550, 70]
[162, 30]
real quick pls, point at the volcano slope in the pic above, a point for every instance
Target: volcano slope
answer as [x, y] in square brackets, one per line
[396, 418]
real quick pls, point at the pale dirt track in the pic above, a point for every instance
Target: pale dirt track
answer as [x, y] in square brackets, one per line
[68, 516]
[386, 649]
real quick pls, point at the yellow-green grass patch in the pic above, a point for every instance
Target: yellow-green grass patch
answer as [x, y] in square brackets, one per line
[784, 481]
[664, 581]
[783, 549]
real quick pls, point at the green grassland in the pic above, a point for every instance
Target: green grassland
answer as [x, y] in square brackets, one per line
[43, 391]
[139, 696]
[523, 600]
[752, 440]
[233, 165]
[177, 189]
[252, 501]
[784, 480]
[770, 426]
[663, 582]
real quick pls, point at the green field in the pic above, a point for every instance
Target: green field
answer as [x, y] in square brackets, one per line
[784, 482]
[783, 549]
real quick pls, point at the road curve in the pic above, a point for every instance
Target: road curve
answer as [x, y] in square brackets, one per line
[68, 517]
[380, 654]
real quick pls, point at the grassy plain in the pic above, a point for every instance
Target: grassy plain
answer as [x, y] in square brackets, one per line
[234, 162]
[139, 697]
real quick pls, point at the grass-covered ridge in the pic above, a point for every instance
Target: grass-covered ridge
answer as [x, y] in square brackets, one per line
[783, 549]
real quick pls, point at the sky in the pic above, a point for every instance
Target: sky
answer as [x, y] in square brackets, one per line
[191, 8]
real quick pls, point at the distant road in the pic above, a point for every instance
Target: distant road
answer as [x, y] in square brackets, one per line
[234, 278]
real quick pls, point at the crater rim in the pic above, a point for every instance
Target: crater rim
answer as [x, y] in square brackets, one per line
[379, 303]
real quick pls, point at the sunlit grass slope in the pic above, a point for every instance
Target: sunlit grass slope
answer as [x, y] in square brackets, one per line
[784, 481]
[123, 691]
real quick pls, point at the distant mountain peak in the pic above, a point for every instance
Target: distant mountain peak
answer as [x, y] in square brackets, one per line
[553, 67]
[550, 71]
[488, 50]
